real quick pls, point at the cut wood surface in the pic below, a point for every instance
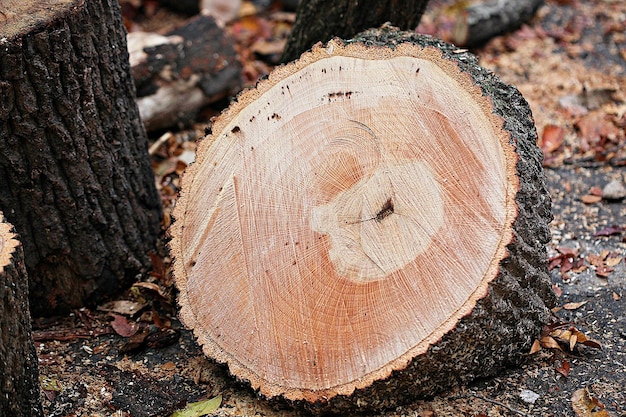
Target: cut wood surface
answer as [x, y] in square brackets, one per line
[19, 376]
[75, 177]
[346, 215]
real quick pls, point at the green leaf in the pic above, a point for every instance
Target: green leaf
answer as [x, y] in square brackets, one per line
[199, 408]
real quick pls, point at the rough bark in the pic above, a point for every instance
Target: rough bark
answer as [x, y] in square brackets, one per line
[75, 175]
[481, 22]
[321, 20]
[19, 376]
[337, 298]
[180, 72]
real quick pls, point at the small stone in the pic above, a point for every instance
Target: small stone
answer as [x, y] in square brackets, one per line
[529, 396]
[614, 190]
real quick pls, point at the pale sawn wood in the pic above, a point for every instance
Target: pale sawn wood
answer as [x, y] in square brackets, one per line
[343, 217]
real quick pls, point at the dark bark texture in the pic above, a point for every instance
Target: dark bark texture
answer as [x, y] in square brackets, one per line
[482, 21]
[19, 376]
[321, 20]
[503, 325]
[75, 176]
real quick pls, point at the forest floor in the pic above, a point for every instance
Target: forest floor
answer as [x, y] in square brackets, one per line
[132, 358]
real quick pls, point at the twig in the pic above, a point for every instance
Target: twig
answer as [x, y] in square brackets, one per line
[498, 403]
[511, 409]
[160, 141]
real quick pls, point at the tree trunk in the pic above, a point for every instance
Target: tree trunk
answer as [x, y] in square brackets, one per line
[321, 20]
[19, 376]
[481, 22]
[376, 206]
[76, 179]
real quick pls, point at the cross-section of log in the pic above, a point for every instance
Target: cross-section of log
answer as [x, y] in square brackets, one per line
[376, 206]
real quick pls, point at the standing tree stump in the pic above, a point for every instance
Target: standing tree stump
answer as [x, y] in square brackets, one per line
[366, 226]
[75, 176]
[19, 376]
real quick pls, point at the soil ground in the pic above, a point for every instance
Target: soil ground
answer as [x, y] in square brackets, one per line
[133, 358]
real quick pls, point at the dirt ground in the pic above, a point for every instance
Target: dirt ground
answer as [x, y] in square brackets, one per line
[132, 357]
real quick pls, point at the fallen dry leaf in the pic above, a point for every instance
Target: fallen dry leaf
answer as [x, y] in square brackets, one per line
[551, 139]
[536, 347]
[564, 368]
[616, 296]
[591, 199]
[611, 262]
[609, 231]
[122, 327]
[596, 191]
[574, 306]
[548, 342]
[584, 405]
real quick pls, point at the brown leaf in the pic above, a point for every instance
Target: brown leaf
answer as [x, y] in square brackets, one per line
[609, 231]
[558, 291]
[564, 368]
[584, 405]
[554, 262]
[551, 139]
[567, 251]
[603, 271]
[591, 199]
[616, 296]
[610, 262]
[595, 191]
[592, 343]
[152, 287]
[536, 347]
[549, 343]
[574, 306]
[122, 327]
[136, 341]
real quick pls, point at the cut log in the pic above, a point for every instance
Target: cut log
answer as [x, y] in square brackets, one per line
[179, 73]
[485, 20]
[19, 375]
[75, 177]
[366, 226]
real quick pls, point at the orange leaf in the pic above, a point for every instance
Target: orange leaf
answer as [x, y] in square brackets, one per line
[584, 405]
[564, 368]
[591, 199]
[536, 347]
[552, 138]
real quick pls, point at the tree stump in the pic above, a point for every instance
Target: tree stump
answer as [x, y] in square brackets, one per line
[75, 176]
[366, 226]
[321, 20]
[19, 376]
